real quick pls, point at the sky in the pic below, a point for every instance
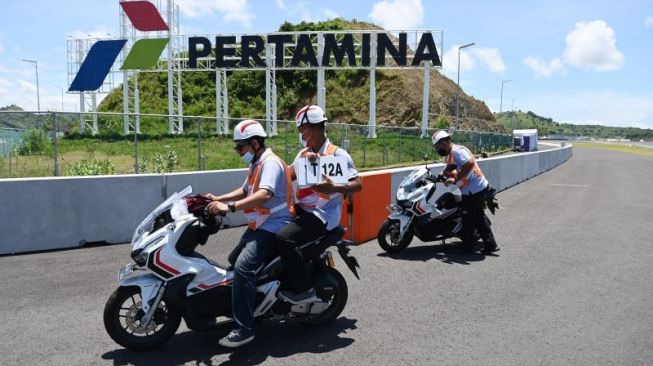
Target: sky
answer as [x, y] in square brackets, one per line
[581, 62]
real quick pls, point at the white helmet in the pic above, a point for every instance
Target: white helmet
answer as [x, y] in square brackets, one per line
[248, 128]
[439, 135]
[310, 114]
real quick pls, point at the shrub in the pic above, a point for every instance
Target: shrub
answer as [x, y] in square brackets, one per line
[91, 167]
[34, 142]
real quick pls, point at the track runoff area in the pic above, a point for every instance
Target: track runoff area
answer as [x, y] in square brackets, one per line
[571, 285]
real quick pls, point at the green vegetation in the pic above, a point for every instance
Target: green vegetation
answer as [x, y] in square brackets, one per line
[627, 148]
[399, 101]
[157, 154]
[547, 126]
[93, 167]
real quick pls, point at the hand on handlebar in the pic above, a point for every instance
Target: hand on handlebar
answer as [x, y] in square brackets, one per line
[449, 182]
[217, 208]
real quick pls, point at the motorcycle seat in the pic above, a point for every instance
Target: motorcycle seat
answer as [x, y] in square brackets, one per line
[311, 249]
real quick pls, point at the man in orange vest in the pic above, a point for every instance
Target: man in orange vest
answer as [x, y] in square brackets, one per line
[461, 169]
[319, 206]
[266, 198]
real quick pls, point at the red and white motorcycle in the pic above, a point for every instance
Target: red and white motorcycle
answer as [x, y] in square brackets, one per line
[425, 208]
[169, 280]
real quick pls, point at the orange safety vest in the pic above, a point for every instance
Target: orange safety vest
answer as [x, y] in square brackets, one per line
[309, 197]
[256, 216]
[464, 182]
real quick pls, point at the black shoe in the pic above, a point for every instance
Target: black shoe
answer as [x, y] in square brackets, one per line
[237, 338]
[299, 298]
[491, 249]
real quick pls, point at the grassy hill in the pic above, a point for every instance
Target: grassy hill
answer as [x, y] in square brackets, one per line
[547, 126]
[399, 93]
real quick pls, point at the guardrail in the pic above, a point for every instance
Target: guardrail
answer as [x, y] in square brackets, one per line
[66, 212]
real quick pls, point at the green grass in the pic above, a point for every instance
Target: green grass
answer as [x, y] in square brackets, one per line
[390, 148]
[623, 147]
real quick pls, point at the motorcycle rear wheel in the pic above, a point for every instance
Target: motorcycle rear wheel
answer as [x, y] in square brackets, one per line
[337, 302]
[388, 237]
[122, 315]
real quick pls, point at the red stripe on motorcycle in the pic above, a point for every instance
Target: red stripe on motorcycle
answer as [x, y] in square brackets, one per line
[206, 287]
[166, 267]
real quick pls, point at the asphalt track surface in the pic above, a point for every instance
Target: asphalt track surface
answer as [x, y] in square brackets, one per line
[572, 285]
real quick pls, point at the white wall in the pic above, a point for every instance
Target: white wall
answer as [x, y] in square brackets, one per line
[52, 213]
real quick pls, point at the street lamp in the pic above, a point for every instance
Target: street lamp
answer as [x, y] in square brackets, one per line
[38, 96]
[458, 80]
[501, 103]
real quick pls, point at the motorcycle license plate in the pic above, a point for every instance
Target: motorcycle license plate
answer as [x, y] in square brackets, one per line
[124, 271]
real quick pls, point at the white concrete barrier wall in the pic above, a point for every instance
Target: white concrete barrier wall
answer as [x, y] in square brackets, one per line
[54, 213]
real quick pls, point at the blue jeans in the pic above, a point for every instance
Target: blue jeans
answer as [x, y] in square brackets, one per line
[258, 248]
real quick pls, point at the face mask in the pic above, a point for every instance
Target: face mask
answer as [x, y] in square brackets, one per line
[248, 157]
[442, 152]
[302, 141]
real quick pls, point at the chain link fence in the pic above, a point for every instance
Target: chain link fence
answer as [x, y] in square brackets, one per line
[55, 144]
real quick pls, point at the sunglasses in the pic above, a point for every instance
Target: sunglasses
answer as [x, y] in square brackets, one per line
[240, 146]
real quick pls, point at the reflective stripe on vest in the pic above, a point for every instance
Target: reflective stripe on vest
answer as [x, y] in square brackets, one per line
[256, 216]
[309, 197]
[463, 181]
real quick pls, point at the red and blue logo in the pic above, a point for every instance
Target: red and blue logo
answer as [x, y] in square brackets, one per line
[144, 54]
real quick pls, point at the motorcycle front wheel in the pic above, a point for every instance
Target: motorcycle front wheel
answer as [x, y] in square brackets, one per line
[388, 237]
[123, 313]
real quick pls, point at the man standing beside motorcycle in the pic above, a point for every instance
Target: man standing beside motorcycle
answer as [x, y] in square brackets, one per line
[461, 169]
[319, 206]
[267, 201]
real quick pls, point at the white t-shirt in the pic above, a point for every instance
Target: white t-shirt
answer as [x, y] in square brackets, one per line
[273, 178]
[330, 213]
[476, 182]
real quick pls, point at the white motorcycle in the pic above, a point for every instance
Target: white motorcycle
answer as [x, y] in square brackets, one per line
[425, 210]
[169, 280]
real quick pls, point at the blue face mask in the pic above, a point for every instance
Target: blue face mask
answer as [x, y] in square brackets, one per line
[248, 157]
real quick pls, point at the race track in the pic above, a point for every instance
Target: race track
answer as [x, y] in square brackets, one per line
[572, 285]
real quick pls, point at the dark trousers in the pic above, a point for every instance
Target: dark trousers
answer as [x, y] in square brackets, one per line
[473, 217]
[257, 248]
[304, 228]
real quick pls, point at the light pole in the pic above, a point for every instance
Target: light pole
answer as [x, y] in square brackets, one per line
[512, 113]
[501, 103]
[38, 94]
[60, 88]
[458, 81]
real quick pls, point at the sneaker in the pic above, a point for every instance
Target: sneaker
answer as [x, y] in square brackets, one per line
[491, 249]
[237, 338]
[299, 298]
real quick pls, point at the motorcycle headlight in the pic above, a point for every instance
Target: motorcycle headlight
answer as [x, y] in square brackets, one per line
[394, 208]
[139, 256]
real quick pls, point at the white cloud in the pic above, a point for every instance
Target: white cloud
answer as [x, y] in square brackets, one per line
[489, 58]
[23, 94]
[605, 107]
[542, 68]
[281, 4]
[304, 12]
[330, 14]
[592, 45]
[398, 14]
[589, 46]
[231, 10]
[649, 22]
